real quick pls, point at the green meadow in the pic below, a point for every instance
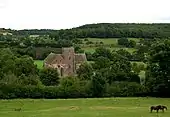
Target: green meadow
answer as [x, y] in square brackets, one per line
[110, 43]
[101, 107]
[92, 49]
[39, 63]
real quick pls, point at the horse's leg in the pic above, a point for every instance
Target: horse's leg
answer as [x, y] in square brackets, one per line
[157, 110]
[163, 110]
[151, 110]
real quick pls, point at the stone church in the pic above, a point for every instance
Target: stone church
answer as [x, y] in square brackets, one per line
[66, 63]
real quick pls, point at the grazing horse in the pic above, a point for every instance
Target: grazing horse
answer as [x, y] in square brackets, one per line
[157, 108]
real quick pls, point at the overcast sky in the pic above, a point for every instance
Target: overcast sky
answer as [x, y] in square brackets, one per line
[62, 14]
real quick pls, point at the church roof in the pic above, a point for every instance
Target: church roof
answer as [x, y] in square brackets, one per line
[50, 58]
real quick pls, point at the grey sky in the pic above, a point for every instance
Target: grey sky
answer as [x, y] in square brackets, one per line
[61, 14]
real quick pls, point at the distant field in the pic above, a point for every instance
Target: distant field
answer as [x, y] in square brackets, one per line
[39, 63]
[110, 43]
[105, 41]
[101, 107]
[92, 49]
[109, 40]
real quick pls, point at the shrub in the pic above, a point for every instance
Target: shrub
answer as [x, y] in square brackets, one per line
[125, 89]
[49, 76]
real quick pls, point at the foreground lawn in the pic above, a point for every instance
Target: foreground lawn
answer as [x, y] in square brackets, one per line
[106, 107]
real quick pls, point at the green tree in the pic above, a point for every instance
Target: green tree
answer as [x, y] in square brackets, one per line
[132, 44]
[104, 52]
[98, 85]
[49, 76]
[29, 80]
[7, 62]
[25, 65]
[138, 67]
[70, 87]
[123, 42]
[119, 69]
[124, 53]
[78, 49]
[64, 43]
[101, 62]
[158, 73]
[85, 71]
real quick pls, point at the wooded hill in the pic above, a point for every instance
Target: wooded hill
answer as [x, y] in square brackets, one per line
[104, 30]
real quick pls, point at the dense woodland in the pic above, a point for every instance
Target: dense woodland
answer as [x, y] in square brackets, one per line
[110, 74]
[105, 30]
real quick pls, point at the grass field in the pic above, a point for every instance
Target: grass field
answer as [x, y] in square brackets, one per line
[92, 49]
[107, 42]
[106, 107]
[39, 63]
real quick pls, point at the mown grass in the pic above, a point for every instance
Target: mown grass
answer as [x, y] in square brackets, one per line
[39, 63]
[101, 107]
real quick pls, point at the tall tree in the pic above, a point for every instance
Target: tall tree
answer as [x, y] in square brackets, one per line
[158, 73]
[49, 76]
[85, 71]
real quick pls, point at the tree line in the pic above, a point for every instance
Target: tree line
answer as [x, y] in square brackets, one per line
[105, 30]
[110, 74]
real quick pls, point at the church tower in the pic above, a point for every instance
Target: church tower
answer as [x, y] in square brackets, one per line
[69, 61]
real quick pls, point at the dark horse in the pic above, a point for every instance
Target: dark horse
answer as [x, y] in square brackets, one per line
[157, 108]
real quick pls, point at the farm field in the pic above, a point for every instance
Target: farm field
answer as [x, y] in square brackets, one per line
[109, 40]
[109, 43]
[101, 107]
[92, 49]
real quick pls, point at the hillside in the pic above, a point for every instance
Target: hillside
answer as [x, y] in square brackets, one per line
[105, 30]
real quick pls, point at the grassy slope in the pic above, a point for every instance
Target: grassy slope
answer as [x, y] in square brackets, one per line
[106, 107]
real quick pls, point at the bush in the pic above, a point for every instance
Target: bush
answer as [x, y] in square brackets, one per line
[89, 56]
[49, 76]
[72, 88]
[86, 39]
[125, 89]
[89, 42]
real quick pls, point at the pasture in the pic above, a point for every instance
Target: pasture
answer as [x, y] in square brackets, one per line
[109, 40]
[92, 49]
[104, 40]
[101, 107]
[109, 43]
